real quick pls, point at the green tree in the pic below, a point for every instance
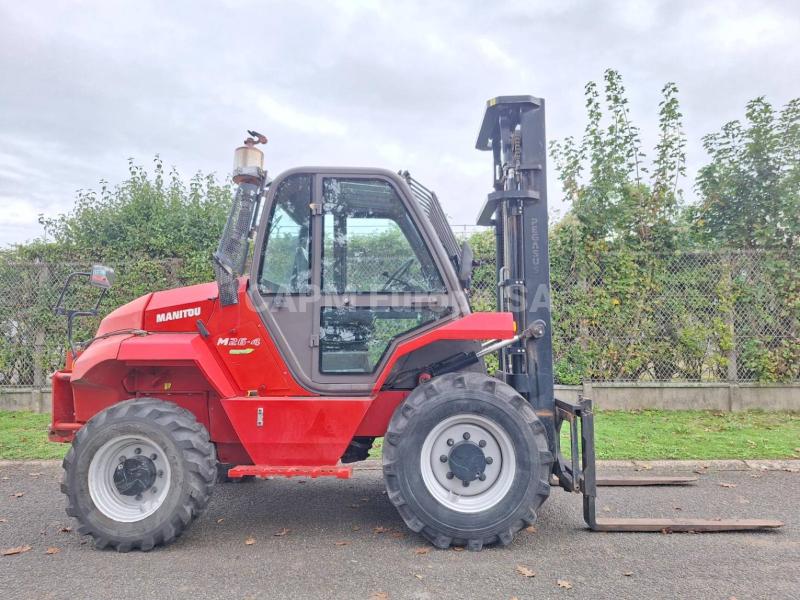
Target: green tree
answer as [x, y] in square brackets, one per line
[750, 199]
[750, 189]
[146, 217]
[608, 253]
[155, 230]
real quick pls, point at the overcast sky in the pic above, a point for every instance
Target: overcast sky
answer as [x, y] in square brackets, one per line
[85, 85]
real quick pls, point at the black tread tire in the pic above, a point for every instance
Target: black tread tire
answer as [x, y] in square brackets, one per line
[427, 405]
[192, 460]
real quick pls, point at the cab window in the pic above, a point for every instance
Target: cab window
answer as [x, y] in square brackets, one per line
[370, 243]
[286, 258]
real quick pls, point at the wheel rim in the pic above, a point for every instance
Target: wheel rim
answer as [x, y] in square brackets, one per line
[468, 463]
[129, 478]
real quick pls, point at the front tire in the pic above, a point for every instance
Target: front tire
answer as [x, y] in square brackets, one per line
[466, 461]
[138, 473]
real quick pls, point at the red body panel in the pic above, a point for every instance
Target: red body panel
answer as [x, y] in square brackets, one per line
[225, 377]
[178, 349]
[127, 316]
[245, 347]
[180, 308]
[475, 326]
[296, 431]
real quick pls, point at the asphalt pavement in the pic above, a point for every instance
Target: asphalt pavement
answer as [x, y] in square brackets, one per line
[342, 539]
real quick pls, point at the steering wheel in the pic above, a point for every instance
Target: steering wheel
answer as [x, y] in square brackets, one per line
[397, 276]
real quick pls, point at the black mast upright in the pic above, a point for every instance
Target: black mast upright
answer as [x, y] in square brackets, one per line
[513, 129]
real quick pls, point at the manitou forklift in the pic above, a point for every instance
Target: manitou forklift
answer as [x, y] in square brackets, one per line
[353, 324]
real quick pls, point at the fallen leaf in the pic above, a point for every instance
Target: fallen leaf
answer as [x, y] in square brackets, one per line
[341, 543]
[458, 548]
[398, 535]
[220, 520]
[678, 508]
[65, 529]
[34, 474]
[52, 550]
[15, 550]
[563, 583]
[727, 485]
[422, 550]
[380, 529]
[379, 596]
[531, 529]
[525, 571]
[250, 541]
[17, 494]
[356, 528]
[418, 576]
[606, 509]
[282, 532]
[628, 573]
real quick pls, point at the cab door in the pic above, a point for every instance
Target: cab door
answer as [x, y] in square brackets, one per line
[281, 278]
[342, 272]
[378, 280]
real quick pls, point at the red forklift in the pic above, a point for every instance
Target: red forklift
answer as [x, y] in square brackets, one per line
[352, 323]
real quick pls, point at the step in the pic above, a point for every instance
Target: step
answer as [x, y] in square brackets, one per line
[277, 471]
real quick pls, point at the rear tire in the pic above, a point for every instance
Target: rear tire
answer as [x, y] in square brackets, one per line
[138, 473]
[466, 461]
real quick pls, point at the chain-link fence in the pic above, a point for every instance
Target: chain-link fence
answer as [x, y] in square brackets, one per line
[689, 316]
[33, 339]
[686, 316]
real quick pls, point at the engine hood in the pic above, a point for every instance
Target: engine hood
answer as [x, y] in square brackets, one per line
[180, 308]
[171, 310]
[127, 316]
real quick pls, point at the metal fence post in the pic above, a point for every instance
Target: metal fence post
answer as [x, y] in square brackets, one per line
[39, 345]
[734, 401]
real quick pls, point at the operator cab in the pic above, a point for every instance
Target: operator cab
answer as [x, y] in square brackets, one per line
[347, 263]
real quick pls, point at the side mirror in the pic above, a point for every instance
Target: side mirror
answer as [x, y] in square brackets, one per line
[102, 277]
[465, 265]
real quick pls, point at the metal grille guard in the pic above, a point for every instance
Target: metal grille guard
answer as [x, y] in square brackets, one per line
[579, 475]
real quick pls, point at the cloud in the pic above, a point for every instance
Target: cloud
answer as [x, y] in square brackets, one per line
[17, 211]
[298, 120]
[398, 85]
[492, 51]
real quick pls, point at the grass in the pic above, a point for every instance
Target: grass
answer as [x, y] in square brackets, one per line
[656, 434]
[642, 435]
[23, 435]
